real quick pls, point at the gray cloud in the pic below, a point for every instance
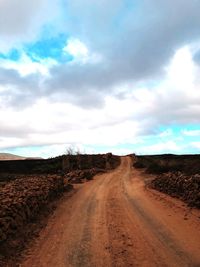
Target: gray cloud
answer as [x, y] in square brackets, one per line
[18, 91]
[21, 131]
[196, 57]
[168, 109]
[137, 42]
[21, 21]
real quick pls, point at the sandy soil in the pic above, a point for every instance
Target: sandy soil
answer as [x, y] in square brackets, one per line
[115, 221]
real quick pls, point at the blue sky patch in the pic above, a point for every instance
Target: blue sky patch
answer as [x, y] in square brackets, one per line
[45, 48]
[13, 55]
[49, 48]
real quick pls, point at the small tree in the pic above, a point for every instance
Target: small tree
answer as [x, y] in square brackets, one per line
[70, 151]
[73, 151]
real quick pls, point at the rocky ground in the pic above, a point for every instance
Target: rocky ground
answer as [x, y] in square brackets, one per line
[80, 176]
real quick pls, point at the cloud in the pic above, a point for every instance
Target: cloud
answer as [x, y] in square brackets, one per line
[166, 133]
[133, 43]
[26, 66]
[123, 119]
[22, 21]
[160, 147]
[195, 145]
[137, 40]
[77, 49]
[51, 123]
[176, 99]
[121, 72]
[80, 53]
[17, 91]
[191, 132]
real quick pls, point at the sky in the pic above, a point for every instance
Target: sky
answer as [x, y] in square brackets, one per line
[99, 76]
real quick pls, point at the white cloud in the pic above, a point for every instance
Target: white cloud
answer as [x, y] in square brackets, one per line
[62, 123]
[195, 145]
[160, 147]
[175, 99]
[76, 48]
[26, 66]
[80, 52]
[181, 71]
[166, 133]
[42, 151]
[191, 132]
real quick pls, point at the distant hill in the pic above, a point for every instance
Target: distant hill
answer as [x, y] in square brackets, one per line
[8, 156]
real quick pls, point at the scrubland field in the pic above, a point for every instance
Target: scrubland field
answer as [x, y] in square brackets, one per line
[100, 210]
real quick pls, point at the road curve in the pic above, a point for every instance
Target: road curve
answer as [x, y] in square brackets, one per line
[115, 221]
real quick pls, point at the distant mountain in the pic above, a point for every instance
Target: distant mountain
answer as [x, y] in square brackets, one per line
[8, 156]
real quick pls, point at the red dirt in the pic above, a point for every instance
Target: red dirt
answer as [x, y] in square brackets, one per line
[115, 221]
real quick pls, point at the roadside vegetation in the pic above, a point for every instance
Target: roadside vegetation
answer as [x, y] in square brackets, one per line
[176, 175]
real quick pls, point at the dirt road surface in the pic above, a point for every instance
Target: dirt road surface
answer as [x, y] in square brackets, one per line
[115, 221]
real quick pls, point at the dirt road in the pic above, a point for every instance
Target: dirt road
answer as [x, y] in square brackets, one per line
[114, 221]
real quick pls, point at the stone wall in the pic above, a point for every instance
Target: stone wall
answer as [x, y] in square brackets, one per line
[22, 199]
[81, 162]
[59, 164]
[177, 184]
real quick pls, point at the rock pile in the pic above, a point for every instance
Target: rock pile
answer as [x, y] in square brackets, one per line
[80, 176]
[177, 184]
[21, 200]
